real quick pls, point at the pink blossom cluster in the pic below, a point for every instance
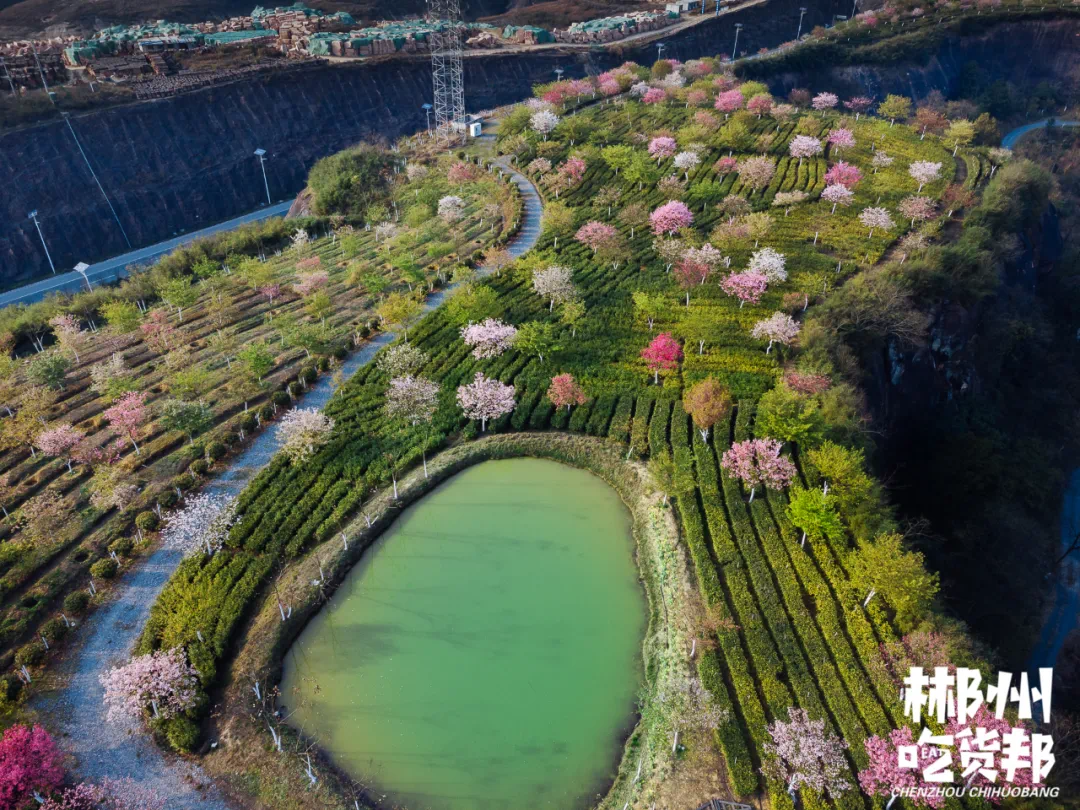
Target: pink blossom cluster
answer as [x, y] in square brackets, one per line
[670, 217]
[489, 338]
[843, 173]
[729, 101]
[757, 462]
[747, 287]
[485, 399]
[662, 147]
[163, 683]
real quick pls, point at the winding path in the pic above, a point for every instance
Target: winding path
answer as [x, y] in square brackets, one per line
[75, 708]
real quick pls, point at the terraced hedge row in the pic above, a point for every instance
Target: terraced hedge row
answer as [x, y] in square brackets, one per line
[788, 631]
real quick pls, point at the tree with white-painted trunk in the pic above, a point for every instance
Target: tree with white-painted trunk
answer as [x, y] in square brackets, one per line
[413, 400]
[707, 402]
[757, 462]
[777, 328]
[803, 753]
[885, 566]
[161, 683]
[302, 432]
[923, 172]
[202, 525]
[485, 399]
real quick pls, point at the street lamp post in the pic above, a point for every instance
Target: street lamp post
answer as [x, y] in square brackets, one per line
[261, 155]
[81, 269]
[854, 6]
[659, 50]
[33, 216]
[427, 111]
[738, 28]
[558, 74]
[802, 12]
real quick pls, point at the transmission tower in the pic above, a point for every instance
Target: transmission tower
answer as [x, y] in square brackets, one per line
[446, 69]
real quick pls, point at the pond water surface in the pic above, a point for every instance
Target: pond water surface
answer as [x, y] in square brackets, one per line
[485, 652]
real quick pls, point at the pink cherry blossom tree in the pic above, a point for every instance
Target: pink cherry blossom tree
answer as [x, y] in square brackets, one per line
[917, 208]
[696, 98]
[859, 105]
[69, 334]
[806, 383]
[662, 354]
[881, 160]
[804, 146]
[159, 334]
[127, 415]
[706, 254]
[270, 292]
[540, 166]
[725, 165]
[876, 219]
[760, 105]
[984, 718]
[565, 391]
[747, 287]
[302, 431]
[30, 763]
[757, 172]
[654, 95]
[662, 147]
[757, 462]
[594, 234]
[461, 173]
[573, 169]
[485, 399]
[770, 263]
[843, 174]
[554, 283]
[111, 794]
[201, 526]
[310, 283]
[841, 138]
[777, 328]
[884, 776]
[690, 273]
[489, 338]
[60, 442]
[670, 218]
[824, 101]
[837, 194]
[803, 753]
[163, 683]
[729, 101]
[923, 172]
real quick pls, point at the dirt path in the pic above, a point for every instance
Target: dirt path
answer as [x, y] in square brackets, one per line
[75, 709]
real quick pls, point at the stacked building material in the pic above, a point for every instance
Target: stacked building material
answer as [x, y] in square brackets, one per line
[612, 29]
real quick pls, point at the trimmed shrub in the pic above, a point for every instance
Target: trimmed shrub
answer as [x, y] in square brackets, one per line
[182, 734]
[54, 630]
[216, 450]
[76, 602]
[200, 466]
[122, 545]
[104, 569]
[30, 654]
[148, 521]
[281, 399]
[167, 498]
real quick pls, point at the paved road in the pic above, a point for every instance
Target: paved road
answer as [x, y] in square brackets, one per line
[76, 710]
[111, 269]
[1009, 141]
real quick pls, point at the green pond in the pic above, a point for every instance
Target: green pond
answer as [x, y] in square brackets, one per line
[486, 651]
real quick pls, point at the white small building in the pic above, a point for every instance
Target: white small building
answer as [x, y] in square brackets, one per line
[682, 6]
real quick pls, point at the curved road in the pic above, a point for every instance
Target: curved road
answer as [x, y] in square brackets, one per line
[75, 709]
[111, 269]
[1009, 141]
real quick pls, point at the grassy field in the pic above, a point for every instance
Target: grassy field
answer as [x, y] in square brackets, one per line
[789, 628]
[49, 556]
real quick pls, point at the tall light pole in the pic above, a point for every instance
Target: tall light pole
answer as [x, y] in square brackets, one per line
[659, 50]
[558, 73]
[427, 112]
[738, 28]
[81, 269]
[854, 6]
[33, 216]
[802, 13]
[261, 155]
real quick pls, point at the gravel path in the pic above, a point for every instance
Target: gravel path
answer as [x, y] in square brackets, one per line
[76, 710]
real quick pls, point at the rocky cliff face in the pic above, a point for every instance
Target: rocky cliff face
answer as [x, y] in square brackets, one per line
[1022, 52]
[183, 163]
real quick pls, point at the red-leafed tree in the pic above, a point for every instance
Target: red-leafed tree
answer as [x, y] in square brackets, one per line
[29, 763]
[662, 354]
[565, 390]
